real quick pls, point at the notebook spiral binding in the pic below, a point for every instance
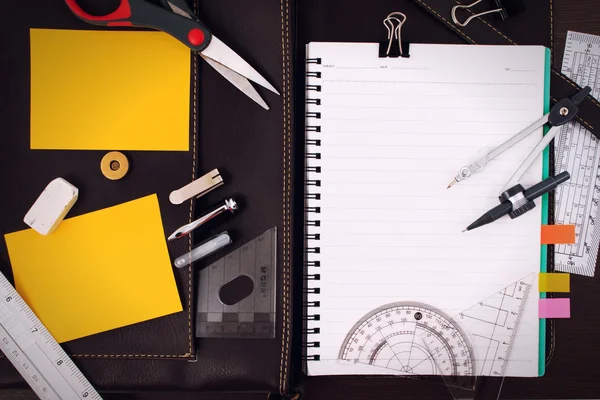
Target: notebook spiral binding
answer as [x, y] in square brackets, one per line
[312, 209]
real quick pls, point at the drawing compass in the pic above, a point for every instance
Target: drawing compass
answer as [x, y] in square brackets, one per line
[515, 200]
[564, 111]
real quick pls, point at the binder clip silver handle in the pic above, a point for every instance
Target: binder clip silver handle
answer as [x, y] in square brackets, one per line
[394, 32]
[505, 8]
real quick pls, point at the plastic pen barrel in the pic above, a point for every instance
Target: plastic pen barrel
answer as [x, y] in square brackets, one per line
[204, 249]
[546, 185]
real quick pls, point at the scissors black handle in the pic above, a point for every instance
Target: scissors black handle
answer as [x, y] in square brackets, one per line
[141, 13]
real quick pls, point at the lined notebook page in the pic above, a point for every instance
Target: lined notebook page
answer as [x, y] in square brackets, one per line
[392, 133]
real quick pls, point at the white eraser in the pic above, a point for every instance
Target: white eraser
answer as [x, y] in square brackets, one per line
[52, 206]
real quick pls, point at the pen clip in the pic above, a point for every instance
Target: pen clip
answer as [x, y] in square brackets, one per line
[197, 188]
[229, 205]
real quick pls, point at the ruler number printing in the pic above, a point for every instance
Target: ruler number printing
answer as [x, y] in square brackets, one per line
[578, 152]
[35, 354]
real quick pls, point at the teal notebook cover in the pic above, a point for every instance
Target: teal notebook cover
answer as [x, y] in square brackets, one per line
[545, 210]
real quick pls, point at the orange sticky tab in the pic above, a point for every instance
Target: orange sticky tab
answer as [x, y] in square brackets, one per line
[558, 234]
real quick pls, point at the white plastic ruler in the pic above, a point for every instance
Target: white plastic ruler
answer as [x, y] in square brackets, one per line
[578, 152]
[35, 354]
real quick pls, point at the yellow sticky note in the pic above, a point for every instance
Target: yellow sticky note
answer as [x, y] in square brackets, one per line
[109, 90]
[555, 282]
[97, 271]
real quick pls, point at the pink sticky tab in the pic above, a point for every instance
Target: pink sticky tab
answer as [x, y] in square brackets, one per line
[554, 308]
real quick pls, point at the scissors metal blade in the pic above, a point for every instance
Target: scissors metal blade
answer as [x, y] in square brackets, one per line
[219, 56]
[221, 53]
[237, 80]
[179, 7]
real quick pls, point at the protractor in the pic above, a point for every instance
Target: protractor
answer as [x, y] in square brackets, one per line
[409, 339]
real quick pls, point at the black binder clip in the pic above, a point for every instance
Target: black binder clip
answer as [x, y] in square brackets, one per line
[387, 49]
[504, 8]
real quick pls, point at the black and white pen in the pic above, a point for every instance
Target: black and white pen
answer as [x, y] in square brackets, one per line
[524, 202]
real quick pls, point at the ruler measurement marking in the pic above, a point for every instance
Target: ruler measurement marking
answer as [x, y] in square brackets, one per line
[34, 352]
[578, 152]
[245, 317]
[39, 382]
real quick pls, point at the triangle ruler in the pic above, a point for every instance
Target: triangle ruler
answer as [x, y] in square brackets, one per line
[414, 339]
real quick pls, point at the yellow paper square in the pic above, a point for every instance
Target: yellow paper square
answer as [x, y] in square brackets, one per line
[555, 282]
[109, 90]
[97, 271]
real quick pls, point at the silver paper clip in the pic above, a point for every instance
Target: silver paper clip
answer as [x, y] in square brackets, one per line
[505, 8]
[197, 188]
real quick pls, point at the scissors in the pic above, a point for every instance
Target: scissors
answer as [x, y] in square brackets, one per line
[179, 21]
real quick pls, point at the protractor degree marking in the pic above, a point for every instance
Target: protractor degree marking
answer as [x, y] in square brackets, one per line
[445, 335]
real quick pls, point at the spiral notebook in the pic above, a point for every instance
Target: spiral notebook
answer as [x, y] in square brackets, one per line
[387, 265]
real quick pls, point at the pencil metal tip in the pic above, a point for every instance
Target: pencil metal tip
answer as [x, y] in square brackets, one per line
[454, 181]
[464, 230]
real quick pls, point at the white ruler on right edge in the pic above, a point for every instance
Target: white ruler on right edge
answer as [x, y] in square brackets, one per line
[33, 351]
[578, 152]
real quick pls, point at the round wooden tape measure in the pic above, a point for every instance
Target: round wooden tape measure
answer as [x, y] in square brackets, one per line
[114, 165]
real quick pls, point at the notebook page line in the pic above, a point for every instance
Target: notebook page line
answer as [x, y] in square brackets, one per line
[392, 134]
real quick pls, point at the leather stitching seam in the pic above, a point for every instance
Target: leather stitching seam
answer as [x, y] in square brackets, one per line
[194, 150]
[447, 22]
[552, 209]
[455, 28]
[593, 100]
[570, 82]
[283, 366]
[552, 30]
[490, 26]
[284, 194]
[191, 216]
[287, 279]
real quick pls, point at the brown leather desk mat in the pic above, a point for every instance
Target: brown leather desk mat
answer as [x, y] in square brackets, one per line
[570, 375]
[26, 172]
[251, 148]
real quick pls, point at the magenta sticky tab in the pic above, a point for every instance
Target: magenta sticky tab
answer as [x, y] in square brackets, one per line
[554, 308]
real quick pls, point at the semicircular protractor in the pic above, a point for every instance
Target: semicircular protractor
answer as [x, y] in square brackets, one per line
[409, 339]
